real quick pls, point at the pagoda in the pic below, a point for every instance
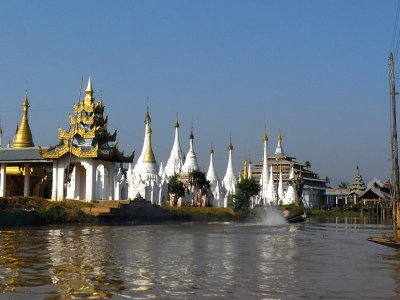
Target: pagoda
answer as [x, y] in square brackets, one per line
[84, 160]
[23, 171]
[358, 186]
[23, 136]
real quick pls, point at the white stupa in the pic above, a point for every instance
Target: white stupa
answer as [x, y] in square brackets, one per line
[175, 160]
[191, 160]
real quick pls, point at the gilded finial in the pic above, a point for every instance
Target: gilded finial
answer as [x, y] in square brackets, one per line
[147, 118]
[191, 137]
[265, 136]
[176, 122]
[230, 146]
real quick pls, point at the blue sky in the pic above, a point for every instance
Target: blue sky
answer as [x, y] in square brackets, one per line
[315, 70]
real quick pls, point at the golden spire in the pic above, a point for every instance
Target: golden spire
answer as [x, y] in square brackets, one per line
[23, 137]
[245, 171]
[149, 154]
[88, 101]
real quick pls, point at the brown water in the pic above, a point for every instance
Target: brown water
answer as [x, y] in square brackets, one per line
[318, 259]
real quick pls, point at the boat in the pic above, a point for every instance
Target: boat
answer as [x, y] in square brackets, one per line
[298, 184]
[297, 218]
[389, 242]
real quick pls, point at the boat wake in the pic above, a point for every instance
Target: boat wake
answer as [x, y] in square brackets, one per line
[272, 217]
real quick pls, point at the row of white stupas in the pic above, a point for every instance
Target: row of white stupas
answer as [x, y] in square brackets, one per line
[150, 181]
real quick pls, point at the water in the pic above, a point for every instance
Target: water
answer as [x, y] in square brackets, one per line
[326, 258]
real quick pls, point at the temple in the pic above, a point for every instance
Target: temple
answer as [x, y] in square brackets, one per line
[87, 165]
[23, 171]
[84, 159]
[358, 187]
[276, 186]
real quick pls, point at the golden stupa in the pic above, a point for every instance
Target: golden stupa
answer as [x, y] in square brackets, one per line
[23, 137]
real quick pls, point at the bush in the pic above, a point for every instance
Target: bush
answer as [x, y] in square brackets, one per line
[54, 213]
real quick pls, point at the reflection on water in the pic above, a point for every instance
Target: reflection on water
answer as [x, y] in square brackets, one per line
[81, 262]
[321, 258]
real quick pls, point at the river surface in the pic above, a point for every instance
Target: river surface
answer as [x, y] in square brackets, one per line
[321, 258]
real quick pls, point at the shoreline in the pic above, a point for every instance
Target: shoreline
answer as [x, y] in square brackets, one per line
[32, 211]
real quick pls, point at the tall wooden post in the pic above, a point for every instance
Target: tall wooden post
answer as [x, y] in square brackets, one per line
[395, 158]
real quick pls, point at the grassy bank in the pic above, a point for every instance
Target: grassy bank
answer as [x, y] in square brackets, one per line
[202, 214]
[335, 212]
[26, 211]
[22, 211]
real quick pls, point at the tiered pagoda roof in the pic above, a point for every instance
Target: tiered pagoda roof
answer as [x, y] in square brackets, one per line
[88, 135]
[358, 185]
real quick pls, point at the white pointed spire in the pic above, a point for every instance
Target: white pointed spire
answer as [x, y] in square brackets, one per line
[264, 173]
[279, 148]
[250, 174]
[89, 86]
[229, 181]
[290, 193]
[175, 160]
[211, 175]
[271, 193]
[191, 160]
[291, 175]
[147, 121]
[280, 186]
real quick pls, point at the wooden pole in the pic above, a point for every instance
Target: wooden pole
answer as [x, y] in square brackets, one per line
[395, 158]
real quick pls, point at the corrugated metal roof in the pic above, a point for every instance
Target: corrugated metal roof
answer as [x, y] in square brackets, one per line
[30, 154]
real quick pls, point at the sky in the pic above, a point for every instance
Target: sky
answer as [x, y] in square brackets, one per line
[317, 71]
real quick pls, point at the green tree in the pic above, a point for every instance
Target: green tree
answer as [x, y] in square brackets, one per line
[245, 189]
[307, 164]
[175, 186]
[199, 181]
[343, 185]
[327, 179]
